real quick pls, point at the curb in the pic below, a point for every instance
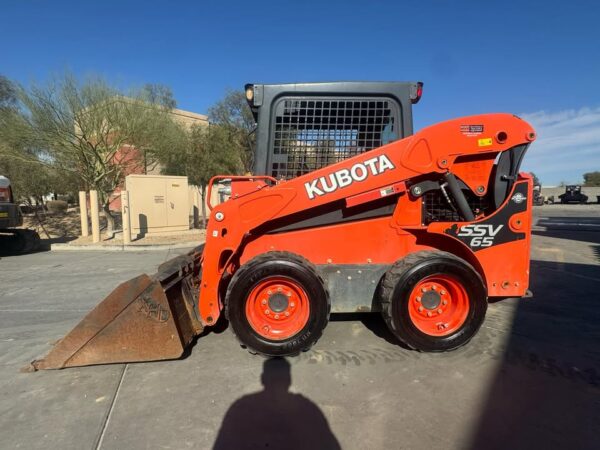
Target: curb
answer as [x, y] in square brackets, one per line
[122, 248]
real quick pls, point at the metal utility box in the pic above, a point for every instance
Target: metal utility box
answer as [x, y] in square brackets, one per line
[158, 204]
[305, 126]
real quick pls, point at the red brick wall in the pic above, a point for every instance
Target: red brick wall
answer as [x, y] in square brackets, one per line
[133, 161]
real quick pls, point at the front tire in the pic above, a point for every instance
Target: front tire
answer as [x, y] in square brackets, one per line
[277, 304]
[19, 241]
[32, 241]
[433, 301]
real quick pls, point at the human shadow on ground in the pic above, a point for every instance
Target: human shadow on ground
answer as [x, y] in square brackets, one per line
[275, 418]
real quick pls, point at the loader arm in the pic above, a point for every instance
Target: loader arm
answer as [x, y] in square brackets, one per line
[461, 153]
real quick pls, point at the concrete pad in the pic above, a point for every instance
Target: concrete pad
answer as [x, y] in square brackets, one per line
[42, 296]
[122, 248]
[58, 409]
[529, 379]
[372, 393]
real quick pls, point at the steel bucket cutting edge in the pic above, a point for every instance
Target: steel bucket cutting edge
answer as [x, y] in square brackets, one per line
[144, 319]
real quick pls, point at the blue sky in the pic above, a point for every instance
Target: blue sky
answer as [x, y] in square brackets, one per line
[540, 59]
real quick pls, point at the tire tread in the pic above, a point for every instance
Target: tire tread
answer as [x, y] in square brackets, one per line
[390, 281]
[265, 257]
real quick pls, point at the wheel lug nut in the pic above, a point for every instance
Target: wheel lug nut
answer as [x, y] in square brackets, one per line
[292, 304]
[445, 302]
[439, 311]
[428, 313]
[420, 309]
[286, 314]
[279, 289]
[269, 292]
[423, 290]
[443, 292]
[264, 301]
[418, 299]
[433, 287]
[267, 312]
[277, 316]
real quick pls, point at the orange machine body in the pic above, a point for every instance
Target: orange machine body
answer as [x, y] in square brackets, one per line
[264, 215]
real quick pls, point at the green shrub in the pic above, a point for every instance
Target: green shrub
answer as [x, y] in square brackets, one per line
[56, 206]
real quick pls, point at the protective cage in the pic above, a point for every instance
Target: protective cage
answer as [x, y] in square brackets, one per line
[304, 127]
[312, 133]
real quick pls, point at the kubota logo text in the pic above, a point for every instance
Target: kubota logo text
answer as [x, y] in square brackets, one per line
[482, 235]
[345, 177]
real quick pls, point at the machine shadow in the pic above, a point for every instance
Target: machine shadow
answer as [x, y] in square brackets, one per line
[583, 236]
[46, 243]
[372, 321]
[45, 246]
[274, 417]
[546, 391]
[221, 325]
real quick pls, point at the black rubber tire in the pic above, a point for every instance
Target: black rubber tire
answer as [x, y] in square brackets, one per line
[282, 264]
[17, 243]
[403, 276]
[32, 241]
[21, 242]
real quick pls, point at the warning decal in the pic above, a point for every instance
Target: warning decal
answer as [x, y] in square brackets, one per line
[471, 130]
[485, 142]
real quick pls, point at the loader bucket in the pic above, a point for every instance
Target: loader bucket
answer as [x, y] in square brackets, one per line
[144, 319]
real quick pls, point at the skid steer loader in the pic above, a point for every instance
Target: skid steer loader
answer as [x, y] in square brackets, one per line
[348, 211]
[13, 240]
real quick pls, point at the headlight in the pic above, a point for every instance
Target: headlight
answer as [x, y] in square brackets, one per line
[250, 93]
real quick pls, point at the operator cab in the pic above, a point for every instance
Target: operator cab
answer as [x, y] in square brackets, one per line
[303, 127]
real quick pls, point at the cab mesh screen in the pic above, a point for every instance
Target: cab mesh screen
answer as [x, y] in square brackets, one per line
[312, 133]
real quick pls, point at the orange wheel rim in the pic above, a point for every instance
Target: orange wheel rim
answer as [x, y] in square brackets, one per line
[438, 305]
[277, 308]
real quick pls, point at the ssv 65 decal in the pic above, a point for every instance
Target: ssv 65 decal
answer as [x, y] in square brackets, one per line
[345, 177]
[482, 235]
[493, 230]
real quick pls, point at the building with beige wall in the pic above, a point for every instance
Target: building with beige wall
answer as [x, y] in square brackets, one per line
[137, 163]
[188, 118]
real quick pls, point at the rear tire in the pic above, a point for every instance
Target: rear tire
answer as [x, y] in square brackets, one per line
[433, 301]
[19, 241]
[16, 244]
[277, 304]
[32, 241]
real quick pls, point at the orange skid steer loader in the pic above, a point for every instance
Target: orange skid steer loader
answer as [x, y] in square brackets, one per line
[423, 229]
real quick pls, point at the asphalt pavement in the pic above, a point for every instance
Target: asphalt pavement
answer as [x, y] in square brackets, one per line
[529, 379]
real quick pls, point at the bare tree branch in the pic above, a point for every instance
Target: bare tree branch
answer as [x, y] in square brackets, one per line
[89, 128]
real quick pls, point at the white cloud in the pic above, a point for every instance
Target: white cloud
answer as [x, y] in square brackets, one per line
[568, 144]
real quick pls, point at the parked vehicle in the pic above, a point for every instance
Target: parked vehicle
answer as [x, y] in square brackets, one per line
[538, 198]
[573, 194]
[13, 240]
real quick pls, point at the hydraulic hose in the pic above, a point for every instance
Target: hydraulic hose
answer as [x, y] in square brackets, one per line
[459, 198]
